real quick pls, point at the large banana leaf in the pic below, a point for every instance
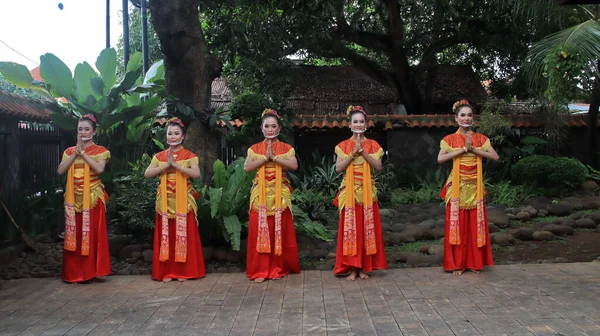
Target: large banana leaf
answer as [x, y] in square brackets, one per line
[233, 227]
[17, 74]
[219, 177]
[215, 195]
[106, 63]
[56, 75]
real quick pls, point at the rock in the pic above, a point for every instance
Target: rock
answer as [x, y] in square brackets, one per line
[415, 231]
[564, 221]
[128, 250]
[116, 244]
[512, 211]
[131, 260]
[395, 238]
[501, 238]
[497, 217]
[531, 210]
[585, 223]
[538, 202]
[124, 271]
[424, 249]
[592, 203]
[385, 226]
[136, 255]
[543, 235]
[385, 213]
[403, 256]
[325, 245]
[576, 215]
[523, 216]
[147, 256]
[561, 208]
[511, 217]
[561, 260]
[319, 253]
[208, 252]
[440, 223]
[437, 233]
[422, 260]
[524, 233]
[234, 256]
[222, 269]
[493, 228]
[589, 186]
[324, 267]
[548, 261]
[559, 230]
[398, 227]
[233, 269]
[595, 216]
[331, 255]
[427, 224]
[542, 212]
[221, 254]
[436, 250]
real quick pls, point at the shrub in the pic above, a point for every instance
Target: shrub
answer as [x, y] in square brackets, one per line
[505, 194]
[546, 172]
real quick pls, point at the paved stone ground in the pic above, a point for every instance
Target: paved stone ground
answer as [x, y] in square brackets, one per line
[546, 299]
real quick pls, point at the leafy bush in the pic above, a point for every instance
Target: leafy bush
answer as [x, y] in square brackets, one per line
[321, 176]
[558, 174]
[385, 181]
[135, 199]
[427, 189]
[506, 194]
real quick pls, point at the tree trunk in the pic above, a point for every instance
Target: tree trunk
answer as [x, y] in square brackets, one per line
[592, 122]
[189, 71]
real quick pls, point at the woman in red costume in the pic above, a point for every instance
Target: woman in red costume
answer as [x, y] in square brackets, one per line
[85, 254]
[272, 249]
[467, 240]
[177, 252]
[360, 247]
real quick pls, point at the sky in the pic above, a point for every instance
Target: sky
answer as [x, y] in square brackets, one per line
[74, 34]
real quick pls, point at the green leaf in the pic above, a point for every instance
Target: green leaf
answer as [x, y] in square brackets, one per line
[531, 140]
[106, 63]
[214, 195]
[159, 144]
[529, 149]
[84, 74]
[219, 179]
[16, 74]
[125, 84]
[135, 62]
[56, 74]
[65, 122]
[98, 87]
[156, 72]
[233, 227]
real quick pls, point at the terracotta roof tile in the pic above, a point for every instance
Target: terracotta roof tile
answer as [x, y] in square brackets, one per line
[24, 108]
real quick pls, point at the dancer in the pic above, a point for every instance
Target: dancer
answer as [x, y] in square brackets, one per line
[272, 249]
[360, 247]
[467, 240]
[177, 252]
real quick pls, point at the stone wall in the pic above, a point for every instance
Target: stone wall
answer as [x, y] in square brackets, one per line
[416, 148]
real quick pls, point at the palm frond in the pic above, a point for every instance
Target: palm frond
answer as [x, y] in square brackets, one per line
[583, 39]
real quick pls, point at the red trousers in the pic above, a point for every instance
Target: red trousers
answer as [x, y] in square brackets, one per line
[269, 265]
[76, 267]
[193, 267]
[367, 263]
[467, 255]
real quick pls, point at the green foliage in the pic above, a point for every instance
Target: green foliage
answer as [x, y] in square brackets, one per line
[563, 67]
[227, 200]
[6, 86]
[426, 190]
[35, 211]
[385, 181]
[320, 175]
[134, 203]
[492, 123]
[546, 172]
[506, 194]
[304, 224]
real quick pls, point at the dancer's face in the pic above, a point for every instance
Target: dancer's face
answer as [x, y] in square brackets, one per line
[85, 130]
[358, 123]
[270, 127]
[174, 135]
[464, 116]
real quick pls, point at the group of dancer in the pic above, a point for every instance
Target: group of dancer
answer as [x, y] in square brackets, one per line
[272, 251]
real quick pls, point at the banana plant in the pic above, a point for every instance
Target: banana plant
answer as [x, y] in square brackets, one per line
[130, 100]
[228, 198]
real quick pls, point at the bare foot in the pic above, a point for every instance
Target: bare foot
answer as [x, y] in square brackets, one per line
[352, 276]
[182, 280]
[276, 278]
[458, 272]
[363, 275]
[259, 280]
[475, 271]
[167, 280]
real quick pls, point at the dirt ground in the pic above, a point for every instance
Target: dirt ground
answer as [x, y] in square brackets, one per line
[583, 246]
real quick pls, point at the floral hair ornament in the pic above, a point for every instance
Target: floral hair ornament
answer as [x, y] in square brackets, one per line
[462, 102]
[90, 117]
[353, 108]
[269, 111]
[176, 121]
